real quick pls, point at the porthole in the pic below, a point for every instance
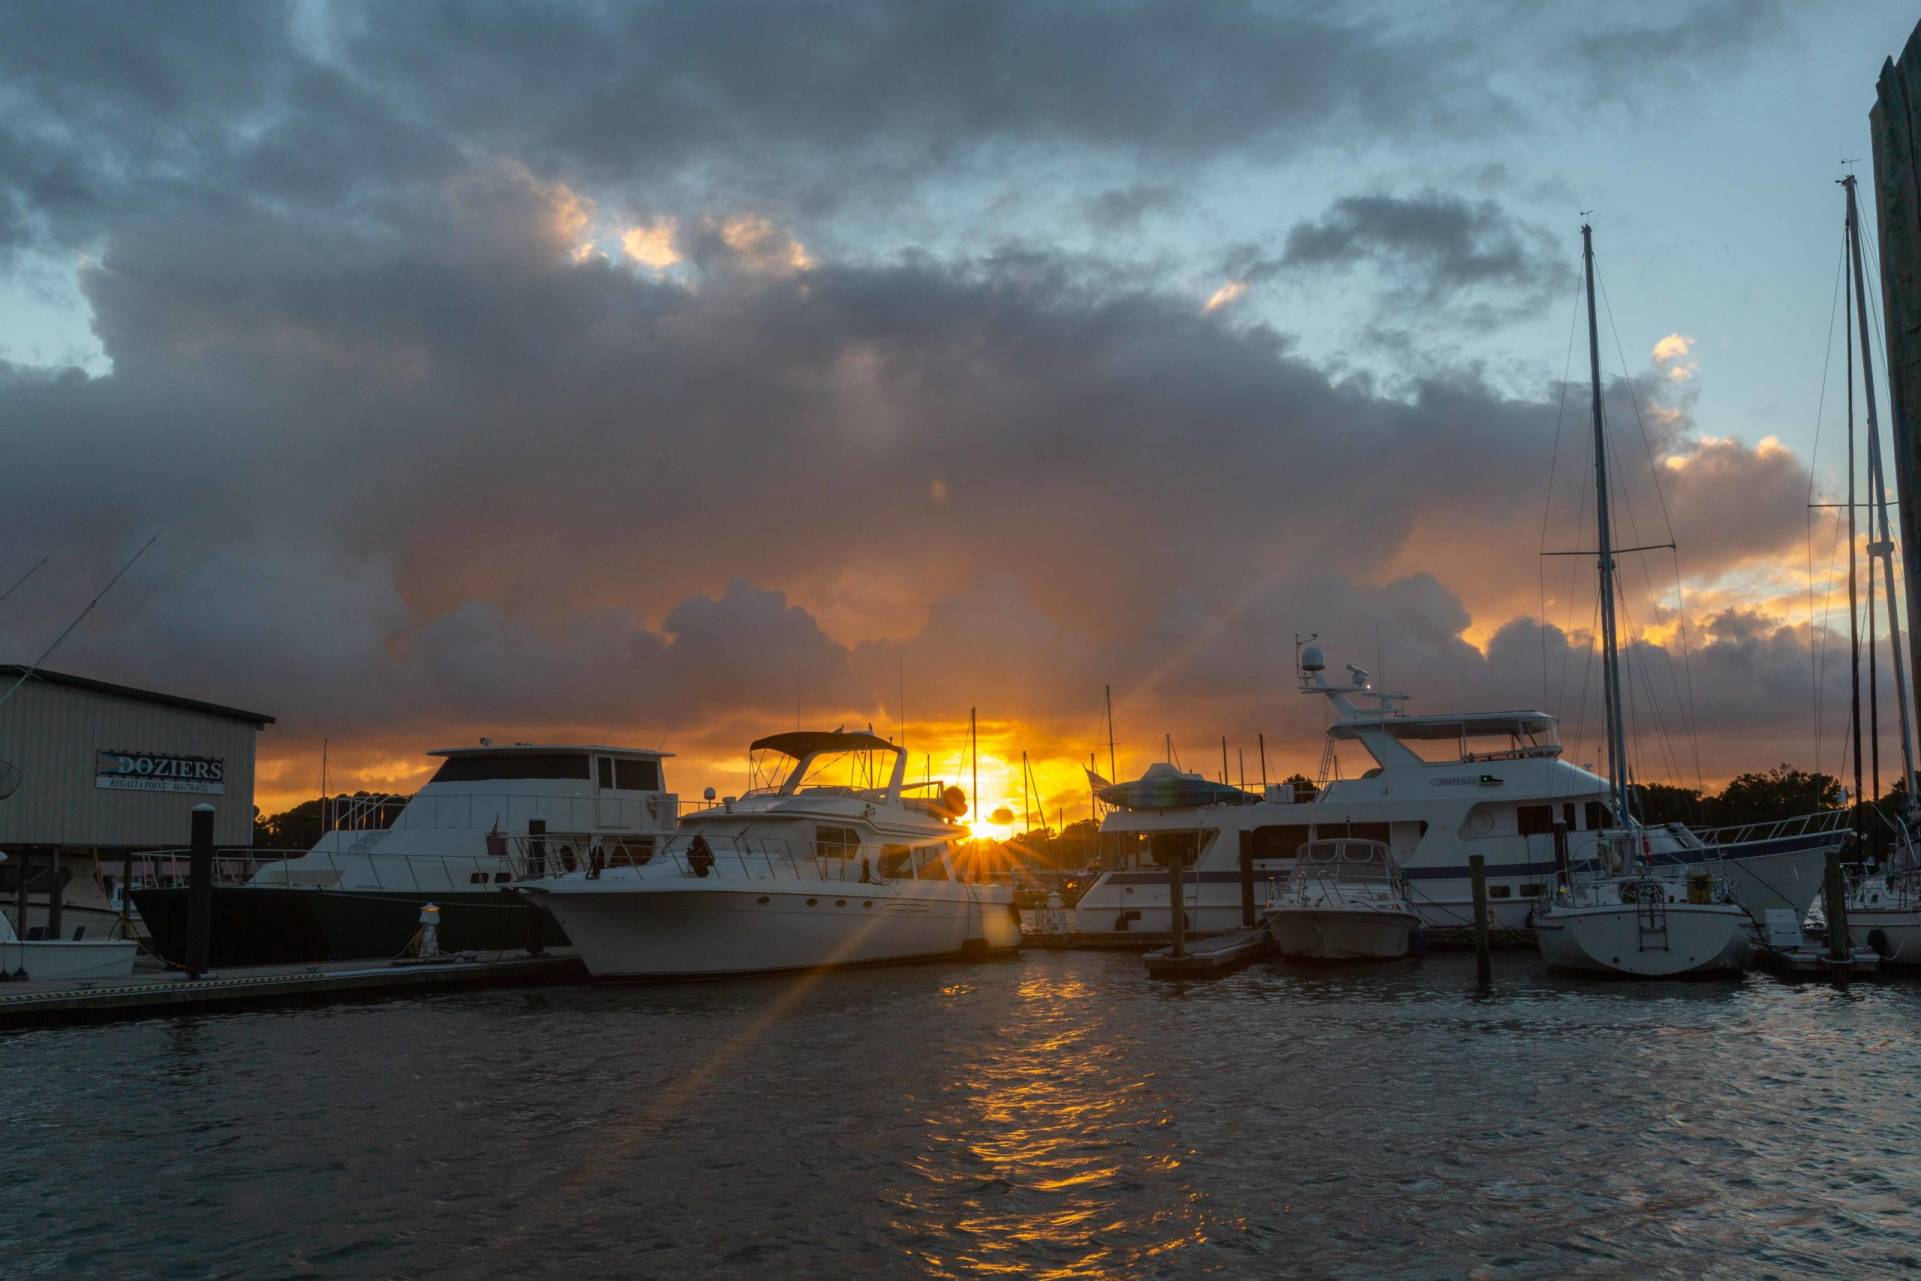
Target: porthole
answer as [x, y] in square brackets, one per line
[867, 902]
[813, 902]
[840, 902]
[762, 899]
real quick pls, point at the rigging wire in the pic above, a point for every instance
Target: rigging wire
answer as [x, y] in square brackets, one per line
[1547, 511]
[1817, 640]
[1654, 475]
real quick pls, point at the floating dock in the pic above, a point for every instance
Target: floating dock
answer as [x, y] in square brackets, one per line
[38, 1004]
[1206, 957]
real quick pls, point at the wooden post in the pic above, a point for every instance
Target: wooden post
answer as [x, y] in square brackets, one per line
[55, 899]
[26, 865]
[1247, 880]
[1834, 901]
[1483, 968]
[200, 891]
[1176, 917]
[126, 895]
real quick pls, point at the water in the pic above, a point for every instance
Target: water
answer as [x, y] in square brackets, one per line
[1053, 1116]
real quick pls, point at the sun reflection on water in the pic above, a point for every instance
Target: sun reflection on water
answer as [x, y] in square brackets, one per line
[1039, 1146]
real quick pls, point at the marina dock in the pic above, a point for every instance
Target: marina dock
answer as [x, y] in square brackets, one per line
[39, 1004]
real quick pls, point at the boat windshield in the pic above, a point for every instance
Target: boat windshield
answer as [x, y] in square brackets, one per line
[775, 772]
[1348, 862]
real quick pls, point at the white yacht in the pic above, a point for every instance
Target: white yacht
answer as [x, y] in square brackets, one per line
[359, 891]
[63, 958]
[1437, 788]
[1344, 902]
[1645, 926]
[822, 862]
[1884, 908]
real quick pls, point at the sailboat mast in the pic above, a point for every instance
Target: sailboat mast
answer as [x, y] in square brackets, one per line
[1610, 641]
[1883, 546]
[1854, 556]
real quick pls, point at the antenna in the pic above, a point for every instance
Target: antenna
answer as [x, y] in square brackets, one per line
[24, 577]
[29, 670]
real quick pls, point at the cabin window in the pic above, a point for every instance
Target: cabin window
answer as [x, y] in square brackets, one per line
[476, 878]
[1534, 820]
[1357, 831]
[836, 842]
[1167, 846]
[637, 776]
[1279, 840]
[894, 861]
[1530, 891]
[1500, 891]
[1597, 817]
[606, 771]
[490, 766]
[501, 878]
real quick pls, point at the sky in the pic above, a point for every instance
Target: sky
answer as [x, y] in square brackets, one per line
[671, 375]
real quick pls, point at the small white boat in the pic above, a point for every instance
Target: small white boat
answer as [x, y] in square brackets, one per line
[75, 958]
[1647, 927]
[1343, 902]
[1884, 913]
[822, 863]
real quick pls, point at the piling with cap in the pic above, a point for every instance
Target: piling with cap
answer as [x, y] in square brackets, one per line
[1176, 918]
[1834, 904]
[200, 891]
[1483, 966]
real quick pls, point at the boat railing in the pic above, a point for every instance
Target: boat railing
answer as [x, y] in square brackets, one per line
[1820, 822]
[736, 857]
[170, 868]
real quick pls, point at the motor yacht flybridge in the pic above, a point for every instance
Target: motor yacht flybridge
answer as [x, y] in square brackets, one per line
[359, 891]
[1441, 787]
[826, 860]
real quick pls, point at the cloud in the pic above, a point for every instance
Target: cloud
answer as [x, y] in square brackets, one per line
[1435, 250]
[431, 462]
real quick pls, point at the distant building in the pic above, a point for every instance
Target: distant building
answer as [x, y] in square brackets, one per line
[90, 772]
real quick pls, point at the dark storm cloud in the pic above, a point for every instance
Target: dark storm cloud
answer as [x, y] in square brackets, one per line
[1434, 250]
[1673, 45]
[420, 468]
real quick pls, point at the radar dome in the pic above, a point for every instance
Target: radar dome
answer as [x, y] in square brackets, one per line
[1311, 660]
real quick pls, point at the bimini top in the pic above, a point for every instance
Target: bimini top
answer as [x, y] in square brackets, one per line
[810, 742]
[1523, 724]
[1163, 787]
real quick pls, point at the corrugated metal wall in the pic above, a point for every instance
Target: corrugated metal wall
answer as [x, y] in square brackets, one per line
[51, 733]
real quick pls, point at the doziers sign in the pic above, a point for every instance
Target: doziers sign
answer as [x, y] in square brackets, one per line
[160, 772]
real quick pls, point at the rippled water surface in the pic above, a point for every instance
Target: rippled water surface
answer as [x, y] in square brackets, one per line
[1057, 1115]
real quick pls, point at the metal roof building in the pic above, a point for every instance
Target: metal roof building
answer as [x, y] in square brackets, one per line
[105, 767]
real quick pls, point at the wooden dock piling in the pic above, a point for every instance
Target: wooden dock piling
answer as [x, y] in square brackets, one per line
[1483, 964]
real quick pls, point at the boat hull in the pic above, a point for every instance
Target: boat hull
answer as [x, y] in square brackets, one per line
[1700, 940]
[250, 925]
[1894, 932]
[66, 959]
[382, 923]
[674, 932]
[1331, 934]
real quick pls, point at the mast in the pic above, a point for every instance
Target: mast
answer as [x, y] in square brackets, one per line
[1854, 608]
[1610, 641]
[1883, 546]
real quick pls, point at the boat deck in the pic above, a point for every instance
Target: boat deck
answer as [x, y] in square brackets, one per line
[38, 1004]
[1217, 954]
